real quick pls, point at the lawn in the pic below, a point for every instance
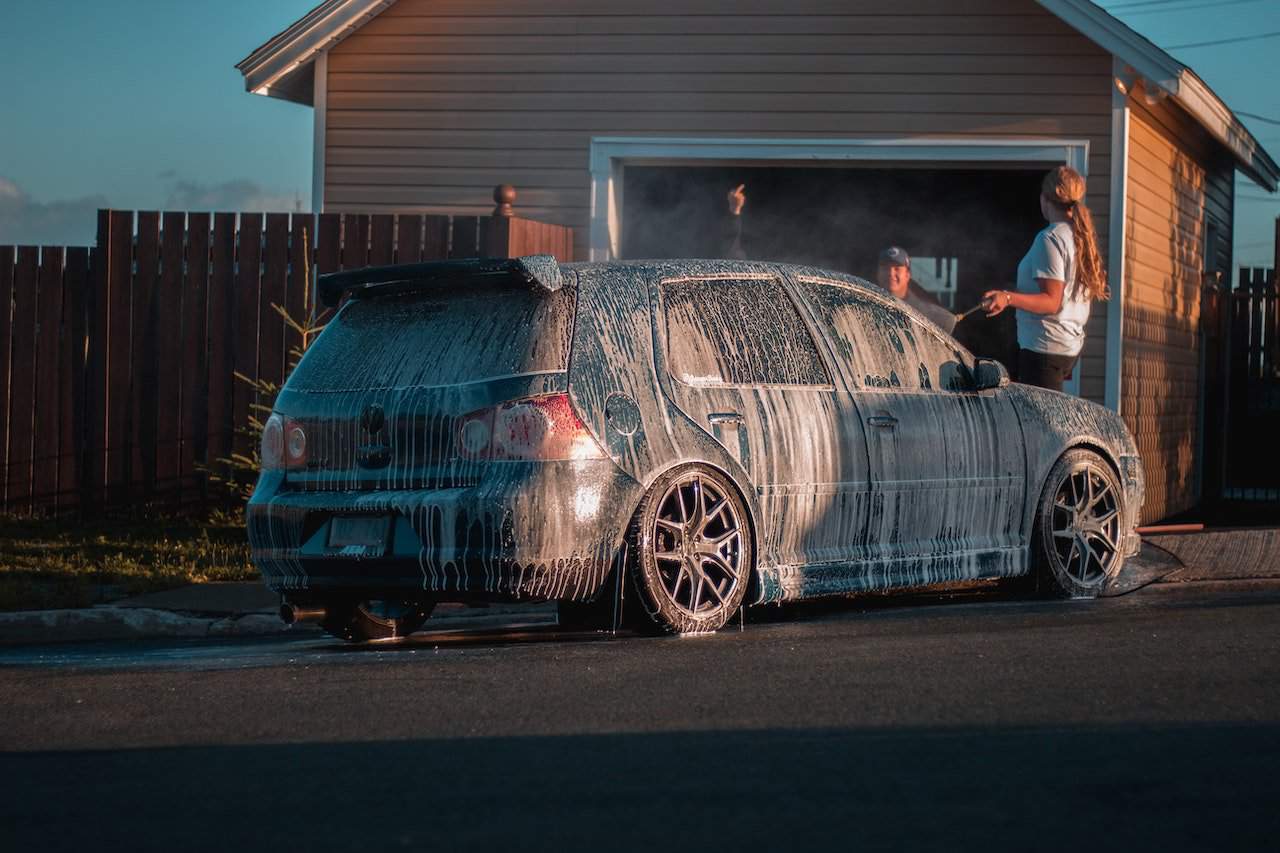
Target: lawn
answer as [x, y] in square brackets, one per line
[53, 563]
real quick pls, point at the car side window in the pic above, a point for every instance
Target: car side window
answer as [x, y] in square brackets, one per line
[737, 332]
[944, 366]
[872, 339]
[882, 346]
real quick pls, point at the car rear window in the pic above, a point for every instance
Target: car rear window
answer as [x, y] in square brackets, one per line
[472, 333]
[737, 332]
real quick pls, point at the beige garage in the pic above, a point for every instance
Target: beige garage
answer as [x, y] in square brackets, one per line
[425, 105]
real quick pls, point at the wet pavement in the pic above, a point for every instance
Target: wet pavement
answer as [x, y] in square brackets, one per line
[959, 721]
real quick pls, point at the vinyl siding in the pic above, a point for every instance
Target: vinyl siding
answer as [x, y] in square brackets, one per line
[1177, 178]
[434, 102]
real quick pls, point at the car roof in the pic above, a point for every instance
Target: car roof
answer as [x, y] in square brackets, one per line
[693, 267]
[672, 268]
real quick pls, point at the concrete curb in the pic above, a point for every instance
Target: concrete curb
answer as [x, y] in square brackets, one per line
[127, 623]
[95, 624]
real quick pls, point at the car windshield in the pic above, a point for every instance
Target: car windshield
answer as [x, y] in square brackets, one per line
[434, 339]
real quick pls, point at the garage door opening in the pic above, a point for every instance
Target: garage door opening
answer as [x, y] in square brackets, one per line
[965, 228]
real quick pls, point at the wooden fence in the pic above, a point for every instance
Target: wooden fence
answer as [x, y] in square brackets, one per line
[1253, 460]
[117, 362]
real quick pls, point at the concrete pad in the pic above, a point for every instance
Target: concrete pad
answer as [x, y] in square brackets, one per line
[1150, 565]
[1223, 553]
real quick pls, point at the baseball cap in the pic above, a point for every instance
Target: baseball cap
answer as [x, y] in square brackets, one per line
[895, 256]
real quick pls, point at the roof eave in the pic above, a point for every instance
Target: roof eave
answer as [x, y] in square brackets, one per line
[1114, 36]
[1221, 123]
[283, 67]
[1164, 73]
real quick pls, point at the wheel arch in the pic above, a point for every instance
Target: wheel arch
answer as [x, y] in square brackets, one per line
[1036, 486]
[1095, 447]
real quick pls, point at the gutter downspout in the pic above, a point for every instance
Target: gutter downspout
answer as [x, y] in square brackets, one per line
[1115, 235]
[320, 116]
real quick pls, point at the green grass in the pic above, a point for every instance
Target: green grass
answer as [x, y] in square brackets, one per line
[54, 563]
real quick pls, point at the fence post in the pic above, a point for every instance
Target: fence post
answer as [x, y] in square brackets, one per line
[1275, 262]
[496, 232]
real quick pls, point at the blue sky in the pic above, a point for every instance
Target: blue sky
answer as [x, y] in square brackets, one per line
[137, 104]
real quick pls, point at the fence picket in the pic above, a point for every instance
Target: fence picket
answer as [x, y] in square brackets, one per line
[355, 241]
[71, 378]
[94, 471]
[220, 328]
[192, 421]
[465, 237]
[168, 348]
[435, 236]
[328, 247]
[382, 239]
[297, 300]
[44, 469]
[271, 325]
[409, 238]
[23, 378]
[1255, 326]
[247, 301]
[7, 257]
[119, 348]
[143, 398]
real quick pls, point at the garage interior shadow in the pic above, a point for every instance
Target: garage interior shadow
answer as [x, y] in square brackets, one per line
[1118, 787]
[840, 218]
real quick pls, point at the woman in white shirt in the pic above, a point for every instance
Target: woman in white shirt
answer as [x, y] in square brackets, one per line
[1058, 278]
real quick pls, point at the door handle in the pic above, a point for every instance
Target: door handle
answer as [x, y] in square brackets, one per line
[883, 421]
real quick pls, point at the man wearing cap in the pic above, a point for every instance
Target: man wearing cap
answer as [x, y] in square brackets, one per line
[894, 275]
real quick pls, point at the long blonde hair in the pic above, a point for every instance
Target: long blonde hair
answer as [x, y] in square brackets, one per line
[1064, 188]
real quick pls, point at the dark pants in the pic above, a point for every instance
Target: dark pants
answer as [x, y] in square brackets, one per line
[1044, 371]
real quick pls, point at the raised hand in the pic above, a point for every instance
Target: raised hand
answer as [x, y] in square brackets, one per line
[737, 198]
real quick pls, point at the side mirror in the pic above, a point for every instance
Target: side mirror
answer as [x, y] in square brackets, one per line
[989, 373]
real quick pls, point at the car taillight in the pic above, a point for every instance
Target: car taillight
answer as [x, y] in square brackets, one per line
[272, 453]
[284, 444]
[295, 445]
[543, 428]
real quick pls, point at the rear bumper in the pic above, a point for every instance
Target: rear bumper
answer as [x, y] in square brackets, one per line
[546, 530]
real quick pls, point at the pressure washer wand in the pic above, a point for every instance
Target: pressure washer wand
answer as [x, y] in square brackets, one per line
[986, 303]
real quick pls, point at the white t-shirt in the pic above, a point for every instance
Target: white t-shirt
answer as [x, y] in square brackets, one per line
[1053, 255]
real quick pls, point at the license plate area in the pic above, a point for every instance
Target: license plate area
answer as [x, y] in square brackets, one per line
[359, 535]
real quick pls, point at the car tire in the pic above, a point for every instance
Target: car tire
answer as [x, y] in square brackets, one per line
[362, 621]
[693, 550]
[1077, 534]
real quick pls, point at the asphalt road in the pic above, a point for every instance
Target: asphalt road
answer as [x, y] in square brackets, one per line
[1148, 721]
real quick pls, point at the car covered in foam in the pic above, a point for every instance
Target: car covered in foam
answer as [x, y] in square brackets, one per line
[697, 436]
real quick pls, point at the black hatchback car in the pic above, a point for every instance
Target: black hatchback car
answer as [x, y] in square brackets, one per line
[707, 433]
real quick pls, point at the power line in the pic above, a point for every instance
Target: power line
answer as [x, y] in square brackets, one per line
[1222, 41]
[1124, 7]
[1141, 3]
[1257, 117]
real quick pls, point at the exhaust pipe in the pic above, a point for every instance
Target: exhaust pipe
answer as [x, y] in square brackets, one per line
[292, 614]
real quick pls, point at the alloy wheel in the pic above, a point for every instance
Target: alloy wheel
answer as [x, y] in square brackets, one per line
[698, 546]
[1086, 525]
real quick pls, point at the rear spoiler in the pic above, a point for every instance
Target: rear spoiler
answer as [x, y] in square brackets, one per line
[541, 272]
